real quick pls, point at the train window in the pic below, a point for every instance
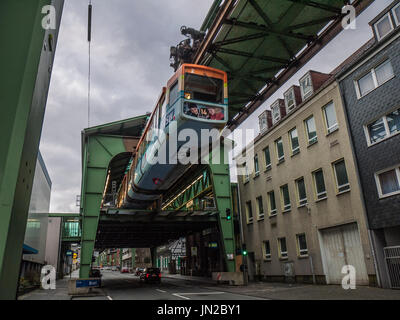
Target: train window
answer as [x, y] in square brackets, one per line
[203, 88]
[173, 93]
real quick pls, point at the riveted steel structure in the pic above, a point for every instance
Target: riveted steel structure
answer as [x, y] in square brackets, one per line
[26, 60]
[262, 43]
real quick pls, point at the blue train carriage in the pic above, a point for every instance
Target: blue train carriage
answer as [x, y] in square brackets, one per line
[196, 97]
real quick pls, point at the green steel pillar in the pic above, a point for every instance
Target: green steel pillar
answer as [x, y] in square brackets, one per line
[98, 151]
[26, 59]
[223, 198]
[153, 254]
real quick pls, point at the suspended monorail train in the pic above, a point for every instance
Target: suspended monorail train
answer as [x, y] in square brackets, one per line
[196, 98]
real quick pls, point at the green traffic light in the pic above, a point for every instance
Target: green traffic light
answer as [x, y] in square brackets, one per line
[244, 252]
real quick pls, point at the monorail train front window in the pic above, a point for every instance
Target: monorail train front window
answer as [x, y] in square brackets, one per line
[203, 88]
[201, 111]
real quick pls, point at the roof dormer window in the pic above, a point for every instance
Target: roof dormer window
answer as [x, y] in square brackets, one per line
[384, 26]
[263, 121]
[276, 112]
[306, 87]
[290, 101]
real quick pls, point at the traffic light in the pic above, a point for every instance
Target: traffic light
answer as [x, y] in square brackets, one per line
[228, 214]
[244, 251]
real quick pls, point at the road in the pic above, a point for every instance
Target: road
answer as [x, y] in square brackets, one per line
[119, 286]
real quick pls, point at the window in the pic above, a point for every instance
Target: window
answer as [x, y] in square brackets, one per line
[283, 254]
[384, 26]
[256, 169]
[271, 203]
[263, 121]
[319, 184]
[388, 182]
[311, 130]
[306, 87]
[342, 181]
[266, 250]
[173, 94]
[246, 174]
[396, 14]
[330, 117]
[290, 101]
[204, 88]
[260, 209]
[276, 112]
[285, 198]
[249, 212]
[294, 141]
[279, 150]
[384, 127]
[267, 158]
[301, 192]
[302, 250]
[375, 78]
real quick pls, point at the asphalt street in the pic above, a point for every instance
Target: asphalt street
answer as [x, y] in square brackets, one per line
[127, 286]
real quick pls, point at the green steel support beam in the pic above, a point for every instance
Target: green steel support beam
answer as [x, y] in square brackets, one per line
[223, 200]
[133, 254]
[153, 254]
[98, 151]
[25, 65]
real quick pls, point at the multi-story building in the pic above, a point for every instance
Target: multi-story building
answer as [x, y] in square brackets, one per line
[303, 213]
[371, 91]
[34, 257]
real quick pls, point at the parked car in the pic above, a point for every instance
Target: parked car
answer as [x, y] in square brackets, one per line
[138, 271]
[151, 275]
[125, 270]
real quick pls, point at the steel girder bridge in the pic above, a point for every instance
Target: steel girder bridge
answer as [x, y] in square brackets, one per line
[261, 44]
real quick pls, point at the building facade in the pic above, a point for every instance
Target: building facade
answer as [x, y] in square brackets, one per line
[303, 218]
[370, 88]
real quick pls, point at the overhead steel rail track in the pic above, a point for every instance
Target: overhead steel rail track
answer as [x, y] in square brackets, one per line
[263, 43]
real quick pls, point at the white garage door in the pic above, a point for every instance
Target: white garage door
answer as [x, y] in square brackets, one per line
[342, 246]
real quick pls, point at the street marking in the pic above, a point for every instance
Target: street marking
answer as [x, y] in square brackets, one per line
[109, 298]
[162, 291]
[182, 297]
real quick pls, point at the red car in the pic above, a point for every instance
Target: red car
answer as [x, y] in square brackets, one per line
[125, 270]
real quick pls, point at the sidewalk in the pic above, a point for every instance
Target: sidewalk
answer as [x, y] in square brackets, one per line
[284, 291]
[61, 291]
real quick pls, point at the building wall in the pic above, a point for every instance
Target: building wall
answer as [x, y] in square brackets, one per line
[36, 228]
[382, 213]
[337, 209]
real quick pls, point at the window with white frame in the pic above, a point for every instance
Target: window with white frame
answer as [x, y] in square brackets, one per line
[271, 203]
[279, 150]
[283, 253]
[260, 208]
[306, 87]
[267, 156]
[330, 117]
[249, 212]
[341, 178]
[319, 184]
[311, 130]
[266, 250]
[396, 14]
[375, 78]
[256, 168]
[301, 192]
[302, 250]
[263, 121]
[294, 141]
[388, 182]
[290, 101]
[285, 198]
[276, 112]
[384, 26]
[384, 127]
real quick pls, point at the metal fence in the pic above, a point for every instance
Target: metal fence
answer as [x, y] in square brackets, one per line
[392, 258]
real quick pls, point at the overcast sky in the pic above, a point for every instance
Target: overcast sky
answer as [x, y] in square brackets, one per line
[130, 64]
